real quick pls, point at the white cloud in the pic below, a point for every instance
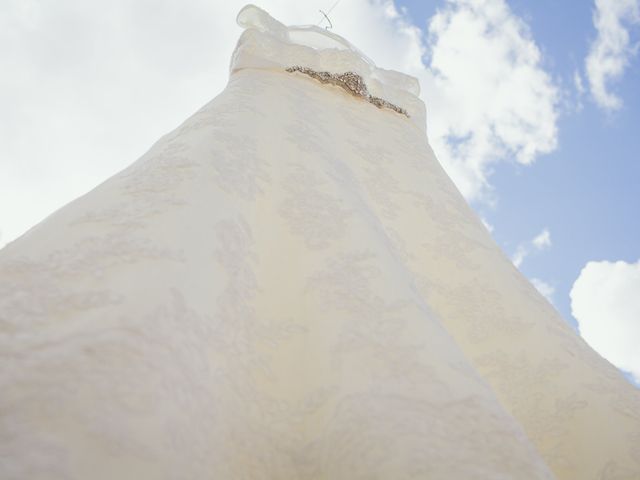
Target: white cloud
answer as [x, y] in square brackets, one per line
[580, 91]
[609, 54]
[75, 108]
[87, 87]
[544, 288]
[519, 255]
[488, 96]
[542, 241]
[578, 83]
[486, 224]
[605, 300]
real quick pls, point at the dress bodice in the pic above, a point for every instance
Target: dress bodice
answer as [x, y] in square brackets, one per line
[267, 43]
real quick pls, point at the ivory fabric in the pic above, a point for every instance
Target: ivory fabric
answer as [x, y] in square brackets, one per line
[288, 286]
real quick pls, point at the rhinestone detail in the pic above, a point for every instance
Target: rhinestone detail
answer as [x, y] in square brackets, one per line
[352, 83]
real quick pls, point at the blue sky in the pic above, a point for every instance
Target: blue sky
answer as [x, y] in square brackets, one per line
[549, 163]
[586, 192]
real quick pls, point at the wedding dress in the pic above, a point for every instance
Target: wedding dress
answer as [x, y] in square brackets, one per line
[288, 286]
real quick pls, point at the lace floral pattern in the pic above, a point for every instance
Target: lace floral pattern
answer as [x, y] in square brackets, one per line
[288, 286]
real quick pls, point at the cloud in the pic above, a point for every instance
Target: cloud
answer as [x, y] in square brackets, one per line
[610, 52]
[605, 301]
[87, 87]
[487, 225]
[75, 109]
[580, 91]
[519, 255]
[544, 288]
[578, 83]
[490, 98]
[542, 241]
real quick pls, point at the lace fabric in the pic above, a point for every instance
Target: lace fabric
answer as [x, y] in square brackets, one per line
[289, 286]
[268, 44]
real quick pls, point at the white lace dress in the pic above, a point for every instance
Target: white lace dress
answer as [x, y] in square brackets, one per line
[288, 286]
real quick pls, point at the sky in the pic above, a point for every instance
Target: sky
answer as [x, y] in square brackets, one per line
[533, 108]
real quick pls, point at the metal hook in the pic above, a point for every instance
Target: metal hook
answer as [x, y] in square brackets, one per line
[325, 16]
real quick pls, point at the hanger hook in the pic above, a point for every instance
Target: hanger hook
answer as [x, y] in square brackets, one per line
[328, 20]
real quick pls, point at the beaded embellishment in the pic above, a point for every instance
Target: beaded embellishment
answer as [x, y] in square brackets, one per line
[352, 83]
